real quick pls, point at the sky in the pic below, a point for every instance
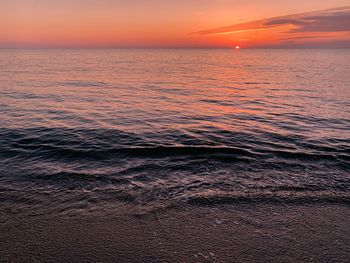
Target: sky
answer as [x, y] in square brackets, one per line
[174, 24]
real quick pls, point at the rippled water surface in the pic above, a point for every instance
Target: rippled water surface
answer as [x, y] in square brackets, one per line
[82, 130]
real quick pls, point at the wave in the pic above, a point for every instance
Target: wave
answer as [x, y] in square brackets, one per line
[225, 154]
[278, 198]
[80, 83]
[103, 144]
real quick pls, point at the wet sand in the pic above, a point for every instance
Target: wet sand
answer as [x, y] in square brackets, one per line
[226, 233]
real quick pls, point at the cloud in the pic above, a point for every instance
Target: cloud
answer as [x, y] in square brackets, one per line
[334, 22]
[311, 37]
[325, 21]
[283, 21]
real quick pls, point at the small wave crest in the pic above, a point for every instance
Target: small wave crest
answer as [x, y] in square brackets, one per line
[94, 145]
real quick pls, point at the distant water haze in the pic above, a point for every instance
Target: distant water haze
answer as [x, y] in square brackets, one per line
[95, 129]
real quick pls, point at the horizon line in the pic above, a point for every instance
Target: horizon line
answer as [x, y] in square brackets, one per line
[169, 48]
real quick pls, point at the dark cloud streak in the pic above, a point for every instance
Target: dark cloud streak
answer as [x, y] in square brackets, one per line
[334, 20]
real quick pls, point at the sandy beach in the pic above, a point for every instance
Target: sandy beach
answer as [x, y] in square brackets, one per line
[228, 233]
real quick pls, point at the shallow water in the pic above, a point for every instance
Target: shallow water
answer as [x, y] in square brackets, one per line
[87, 130]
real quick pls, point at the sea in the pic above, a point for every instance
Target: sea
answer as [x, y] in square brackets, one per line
[108, 130]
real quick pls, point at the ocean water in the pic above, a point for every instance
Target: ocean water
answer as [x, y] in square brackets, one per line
[98, 130]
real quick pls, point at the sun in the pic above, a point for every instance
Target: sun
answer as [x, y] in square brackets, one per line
[237, 47]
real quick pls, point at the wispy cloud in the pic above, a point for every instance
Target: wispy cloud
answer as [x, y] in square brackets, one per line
[322, 23]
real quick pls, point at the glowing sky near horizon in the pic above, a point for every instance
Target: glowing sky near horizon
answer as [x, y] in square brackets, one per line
[182, 23]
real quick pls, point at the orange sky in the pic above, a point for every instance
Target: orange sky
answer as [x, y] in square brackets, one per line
[181, 23]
